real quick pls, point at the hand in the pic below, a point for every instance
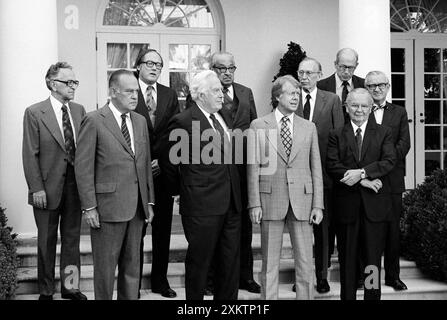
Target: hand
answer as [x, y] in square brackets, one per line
[40, 199]
[351, 177]
[155, 168]
[151, 213]
[92, 218]
[374, 185]
[316, 216]
[255, 215]
[177, 200]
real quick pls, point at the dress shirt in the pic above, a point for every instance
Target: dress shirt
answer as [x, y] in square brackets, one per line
[57, 108]
[144, 86]
[279, 116]
[117, 115]
[339, 86]
[378, 114]
[218, 117]
[313, 97]
[363, 127]
[230, 92]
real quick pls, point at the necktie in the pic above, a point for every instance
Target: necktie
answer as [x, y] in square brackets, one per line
[125, 131]
[286, 136]
[151, 104]
[306, 111]
[228, 102]
[219, 128]
[345, 92]
[68, 135]
[377, 107]
[358, 139]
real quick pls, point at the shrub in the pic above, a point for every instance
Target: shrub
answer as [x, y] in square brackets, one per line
[424, 226]
[290, 61]
[8, 259]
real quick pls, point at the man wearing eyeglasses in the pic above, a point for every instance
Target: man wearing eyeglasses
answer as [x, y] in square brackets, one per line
[239, 105]
[158, 104]
[324, 109]
[360, 157]
[343, 80]
[395, 117]
[50, 136]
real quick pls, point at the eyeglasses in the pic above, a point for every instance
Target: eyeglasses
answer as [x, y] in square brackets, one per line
[223, 69]
[70, 83]
[349, 68]
[151, 64]
[373, 86]
[307, 73]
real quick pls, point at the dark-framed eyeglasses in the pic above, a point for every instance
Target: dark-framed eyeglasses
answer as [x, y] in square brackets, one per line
[151, 64]
[223, 69]
[344, 67]
[307, 73]
[69, 83]
[373, 86]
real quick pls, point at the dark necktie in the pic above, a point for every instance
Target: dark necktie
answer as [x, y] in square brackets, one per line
[125, 131]
[219, 128]
[377, 107]
[68, 135]
[151, 104]
[344, 92]
[358, 139]
[228, 102]
[306, 111]
[286, 136]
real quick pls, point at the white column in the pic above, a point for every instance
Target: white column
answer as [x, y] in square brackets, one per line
[28, 42]
[364, 25]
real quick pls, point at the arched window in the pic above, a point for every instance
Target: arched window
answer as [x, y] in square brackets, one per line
[185, 32]
[426, 16]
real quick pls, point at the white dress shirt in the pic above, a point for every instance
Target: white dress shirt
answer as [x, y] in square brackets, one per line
[279, 116]
[339, 86]
[378, 114]
[230, 92]
[57, 108]
[363, 127]
[117, 115]
[144, 87]
[218, 117]
[313, 97]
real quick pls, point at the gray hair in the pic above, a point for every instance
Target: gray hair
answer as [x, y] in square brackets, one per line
[277, 87]
[199, 83]
[376, 73]
[358, 92]
[216, 55]
[53, 71]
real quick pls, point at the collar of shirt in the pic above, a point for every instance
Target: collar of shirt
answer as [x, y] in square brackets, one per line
[117, 115]
[313, 97]
[339, 82]
[57, 108]
[218, 117]
[381, 105]
[231, 92]
[279, 116]
[363, 127]
[144, 87]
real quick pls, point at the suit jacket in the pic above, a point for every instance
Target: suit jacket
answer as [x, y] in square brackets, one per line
[328, 115]
[205, 189]
[377, 158]
[328, 84]
[108, 174]
[395, 117]
[297, 180]
[43, 150]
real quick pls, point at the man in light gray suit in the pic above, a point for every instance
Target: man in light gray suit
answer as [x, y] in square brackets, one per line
[291, 193]
[114, 176]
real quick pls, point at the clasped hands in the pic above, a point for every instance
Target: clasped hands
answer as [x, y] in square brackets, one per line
[353, 176]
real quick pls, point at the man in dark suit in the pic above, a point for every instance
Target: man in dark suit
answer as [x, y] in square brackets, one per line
[359, 158]
[343, 80]
[158, 104]
[239, 105]
[209, 188]
[324, 109]
[50, 136]
[395, 117]
[114, 177]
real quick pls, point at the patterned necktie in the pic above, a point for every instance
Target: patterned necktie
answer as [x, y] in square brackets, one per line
[151, 104]
[358, 139]
[306, 111]
[68, 135]
[125, 131]
[377, 107]
[344, 92]
[228, 102]
[286, 136]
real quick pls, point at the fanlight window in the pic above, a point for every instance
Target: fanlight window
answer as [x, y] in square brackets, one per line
[168, 13]
[425, 16]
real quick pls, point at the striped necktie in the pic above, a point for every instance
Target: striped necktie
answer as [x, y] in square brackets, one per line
[68, 135]
[125, 130]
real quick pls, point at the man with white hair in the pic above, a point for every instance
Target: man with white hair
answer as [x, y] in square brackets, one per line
[210, 201]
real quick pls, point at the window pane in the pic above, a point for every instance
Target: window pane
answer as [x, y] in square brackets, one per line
[178, 82]
[445, 112]
[444, 55]
[432, 162]
[399, 102]
[135, 49]
[432, 138]
[200, 55]
[178, 57]
[432, 60]
[445, 87]
[431, 86]
[397, 60]
[116, 55]
[432, 112]
[398, 85]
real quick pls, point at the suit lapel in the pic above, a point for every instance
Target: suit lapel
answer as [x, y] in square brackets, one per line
[388, 115]
[320, 101]
[142, 108]
[137, 132]
[275, 139]
[333, 83]
[197, 115]
[112, 125]
[162, 101]
[76, 117]
[300, 110]
[50, 121]
[239, 93]
[369, 132]
[297, 137]
[350, 138]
